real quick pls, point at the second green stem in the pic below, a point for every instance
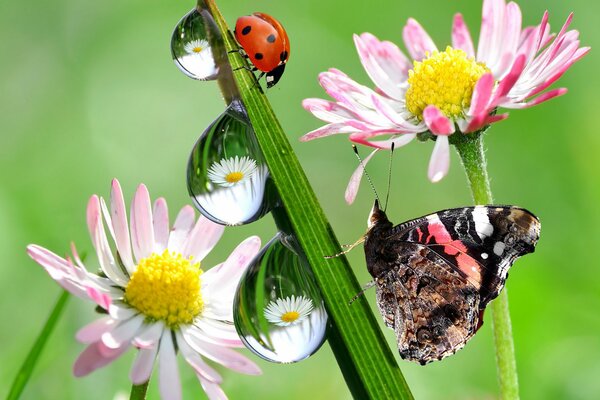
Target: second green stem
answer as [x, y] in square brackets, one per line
[470, 149]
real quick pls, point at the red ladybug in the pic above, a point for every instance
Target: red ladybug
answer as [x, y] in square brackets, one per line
[266, 44]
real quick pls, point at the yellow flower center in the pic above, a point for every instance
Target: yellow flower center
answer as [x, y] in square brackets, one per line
[197, 49]
[290, 316]
[445, 80]
[234, 177]
[166, 287]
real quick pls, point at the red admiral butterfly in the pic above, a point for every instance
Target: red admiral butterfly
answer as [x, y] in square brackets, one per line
[436, 274]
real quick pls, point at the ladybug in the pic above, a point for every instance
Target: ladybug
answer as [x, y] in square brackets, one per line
[266, 44]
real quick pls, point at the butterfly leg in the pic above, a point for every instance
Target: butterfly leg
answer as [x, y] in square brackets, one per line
[348, 247]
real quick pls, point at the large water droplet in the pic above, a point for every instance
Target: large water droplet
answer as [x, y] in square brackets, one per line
[278, 308]
[227, 177]
[195, 44]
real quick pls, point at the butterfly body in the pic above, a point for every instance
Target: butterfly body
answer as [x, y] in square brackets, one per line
[436, 274]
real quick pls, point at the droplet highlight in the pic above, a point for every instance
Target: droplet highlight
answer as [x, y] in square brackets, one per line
[227, 177]
[278, 309]
[194, 44]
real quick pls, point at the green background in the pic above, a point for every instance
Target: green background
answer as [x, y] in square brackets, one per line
[88, 92]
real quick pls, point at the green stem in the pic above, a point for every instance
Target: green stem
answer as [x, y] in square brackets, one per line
[27, 368]
[470, 149]
[138, 392]
[365, 359]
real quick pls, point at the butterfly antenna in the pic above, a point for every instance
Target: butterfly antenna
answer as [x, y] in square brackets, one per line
[389, 185]
[365, 172]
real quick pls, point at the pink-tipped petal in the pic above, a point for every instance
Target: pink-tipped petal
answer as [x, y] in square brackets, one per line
[120, 226]
[224, 356]
[490, 36]
[384, 63]
[440, 159]
[149, 334]
[142, 232]
[481, 95]
[224, 278]
[142, 366]
[417, 41]
[168, 373]
[328, 130]
[196, 362]
[100, 242]
[123, 332]
[327, 111]
[95, 356]
[93, 332]
[461, 38]
[202, 238]
[98, 297]
[215, 331]
[212, 390]
[181, 228]
[354, 184]
[402, 125]
[437, 122]
[540, 99]
[160, 224]
[509, 40]
[505, 86]
[121, 312]
[398, 140]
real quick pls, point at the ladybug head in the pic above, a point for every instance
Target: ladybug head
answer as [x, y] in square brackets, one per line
[274, 75]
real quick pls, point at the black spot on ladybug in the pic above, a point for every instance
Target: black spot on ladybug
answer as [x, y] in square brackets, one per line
[271, 38]
[246, 30]
[283, 56]
[258, 56]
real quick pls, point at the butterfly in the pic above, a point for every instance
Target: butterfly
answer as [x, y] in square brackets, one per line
[435, 275]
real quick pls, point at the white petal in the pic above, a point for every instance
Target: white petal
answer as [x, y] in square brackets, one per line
[440, 159]
[142, 366]
[168, 372]
[142, 232]
[123, 332]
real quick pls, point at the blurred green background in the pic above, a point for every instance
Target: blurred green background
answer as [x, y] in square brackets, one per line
[88, 92]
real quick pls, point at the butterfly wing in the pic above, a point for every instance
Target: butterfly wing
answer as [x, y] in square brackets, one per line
[436, 274]
[480, 243]
[426, 302]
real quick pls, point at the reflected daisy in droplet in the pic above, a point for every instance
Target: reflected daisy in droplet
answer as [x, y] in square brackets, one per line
[238, 195]
[232, 171]
[197, 47]
[156, 297]
[439, 93]
[288, 311]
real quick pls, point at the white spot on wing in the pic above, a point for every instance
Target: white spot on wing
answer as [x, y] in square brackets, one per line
[499, 248]
[482, 223]
[484, 256]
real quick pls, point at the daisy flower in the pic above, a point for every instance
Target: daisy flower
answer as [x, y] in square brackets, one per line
[231, 171]
[455, 90]
[288, 311]
[157, 299]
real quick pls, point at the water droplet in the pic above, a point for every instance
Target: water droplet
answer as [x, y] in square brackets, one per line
[195, 44]
[227, 177]
[278, 308]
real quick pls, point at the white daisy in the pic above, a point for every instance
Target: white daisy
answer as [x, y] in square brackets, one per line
[231, 171]
[197, 47]
[157, 298]
[289, 311]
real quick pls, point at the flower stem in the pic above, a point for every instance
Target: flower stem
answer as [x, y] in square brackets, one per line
[27, 368]
[365, 360]
[138, 392]
[470, 149]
